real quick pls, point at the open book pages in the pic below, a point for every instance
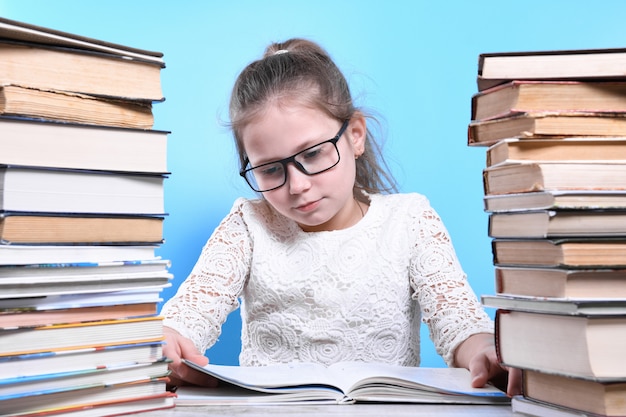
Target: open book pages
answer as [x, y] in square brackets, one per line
[345, 382]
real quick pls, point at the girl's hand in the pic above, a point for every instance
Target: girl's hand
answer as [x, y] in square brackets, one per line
[478, 354]
[178, 347]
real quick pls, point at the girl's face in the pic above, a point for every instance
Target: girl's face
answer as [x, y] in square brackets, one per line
[317, 202]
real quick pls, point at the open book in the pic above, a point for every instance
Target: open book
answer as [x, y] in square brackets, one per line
[344, 382]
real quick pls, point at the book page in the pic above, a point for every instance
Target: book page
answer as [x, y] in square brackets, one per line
[228, 394]
[354, 377]
[272, 378]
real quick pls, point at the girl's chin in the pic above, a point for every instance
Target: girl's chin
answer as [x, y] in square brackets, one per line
[312, 226]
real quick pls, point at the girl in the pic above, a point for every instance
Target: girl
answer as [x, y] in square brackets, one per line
[329, 264]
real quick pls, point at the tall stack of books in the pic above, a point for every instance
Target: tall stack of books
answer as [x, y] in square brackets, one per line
[81, 215]
[554, 127]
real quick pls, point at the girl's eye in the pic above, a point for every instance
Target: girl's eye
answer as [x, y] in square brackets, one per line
[271, 170]
[312, 153]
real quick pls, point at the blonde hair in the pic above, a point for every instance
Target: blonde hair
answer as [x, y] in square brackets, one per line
[300, 71]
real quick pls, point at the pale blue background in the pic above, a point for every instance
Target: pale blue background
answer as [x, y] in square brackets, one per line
[413, 62]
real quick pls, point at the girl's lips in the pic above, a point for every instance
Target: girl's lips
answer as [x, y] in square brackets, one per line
[308, 206]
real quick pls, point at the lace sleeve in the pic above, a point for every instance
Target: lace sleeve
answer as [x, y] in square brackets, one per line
[449, 306]
[204, 300]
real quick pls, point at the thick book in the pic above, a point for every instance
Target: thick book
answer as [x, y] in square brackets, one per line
[530, 407]
[511, 151]
[71, 107]
[576, 394]
[81, 359]
[70, 336]
[557, 223]
[79, 71]
[344, 382]
[25, 32]
[36, 142]
[598, 307]
[561, 282]
[35, 189]
[55, 254]
[574, 64]
[556, 199]
[554, 176]
[516, 97]
[546, 126]
[571, 253]
[582, 346]
[70, 228]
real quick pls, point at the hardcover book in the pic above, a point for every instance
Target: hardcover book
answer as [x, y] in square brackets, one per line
[517, 96]
[576, 394]
[554, 176]
[547, 126]
[34, 189]
[30, 142]
[557, 223]
[511, 151]
[556, 199]
[567, 252]
[71, 107]
[561, 282]
[589, 307]
[55, 254]
[79, 71]
[573, 345]
[69, 228]
[530, 407]
[574, 64]
[25, 32]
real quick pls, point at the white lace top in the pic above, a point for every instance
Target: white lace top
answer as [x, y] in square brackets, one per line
[354, 294]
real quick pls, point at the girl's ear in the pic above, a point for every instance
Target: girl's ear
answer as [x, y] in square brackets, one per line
[357, 132]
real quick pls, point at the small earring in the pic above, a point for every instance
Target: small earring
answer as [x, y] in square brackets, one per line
[356, 157]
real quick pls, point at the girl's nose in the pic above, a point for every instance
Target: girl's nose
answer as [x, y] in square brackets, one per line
[297, 181]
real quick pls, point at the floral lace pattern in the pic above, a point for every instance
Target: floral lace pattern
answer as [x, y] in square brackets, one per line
[354, 294]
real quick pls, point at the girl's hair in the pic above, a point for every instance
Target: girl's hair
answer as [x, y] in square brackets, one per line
[299, 70]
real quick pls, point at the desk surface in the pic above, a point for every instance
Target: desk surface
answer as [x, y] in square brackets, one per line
[346, 410]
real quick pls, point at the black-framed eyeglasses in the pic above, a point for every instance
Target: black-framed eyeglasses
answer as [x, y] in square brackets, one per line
[311, 161]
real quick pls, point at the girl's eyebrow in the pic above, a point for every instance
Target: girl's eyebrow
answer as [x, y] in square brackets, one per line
[272, 160]
[305, 145]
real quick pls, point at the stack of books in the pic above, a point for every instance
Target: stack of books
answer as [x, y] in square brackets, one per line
[81, 215]
[554, 127]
